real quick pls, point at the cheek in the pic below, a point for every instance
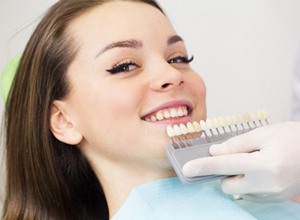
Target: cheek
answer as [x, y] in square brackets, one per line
[198, 86]
[122, 102]
[109, 110]
[108, 119]
[198, 91]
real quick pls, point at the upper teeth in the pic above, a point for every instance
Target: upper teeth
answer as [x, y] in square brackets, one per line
[168, 113]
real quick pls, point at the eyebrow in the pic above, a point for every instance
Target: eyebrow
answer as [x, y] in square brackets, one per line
[174, 39]
[124, 43]
[132, 43]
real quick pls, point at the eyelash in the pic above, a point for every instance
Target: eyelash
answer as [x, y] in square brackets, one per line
[181, 59]
[124, 66]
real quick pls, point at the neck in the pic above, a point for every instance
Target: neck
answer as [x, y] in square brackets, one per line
[118, 179]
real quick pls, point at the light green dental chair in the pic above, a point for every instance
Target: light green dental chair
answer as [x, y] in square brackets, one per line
[7, 76]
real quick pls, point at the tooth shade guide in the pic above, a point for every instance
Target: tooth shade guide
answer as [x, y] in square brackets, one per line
[195, 139]
[216, 128]
[265, 116]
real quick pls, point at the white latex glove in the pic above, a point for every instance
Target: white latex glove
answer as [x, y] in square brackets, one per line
[270, 173]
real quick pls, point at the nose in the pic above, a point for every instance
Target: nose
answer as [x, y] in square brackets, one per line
[167, 78]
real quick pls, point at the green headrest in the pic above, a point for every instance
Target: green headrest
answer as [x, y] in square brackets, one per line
[7, 76]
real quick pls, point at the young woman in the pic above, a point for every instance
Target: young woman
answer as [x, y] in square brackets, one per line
[86, 118]
[84, 105]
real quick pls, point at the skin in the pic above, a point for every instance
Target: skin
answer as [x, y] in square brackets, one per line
[104, 114]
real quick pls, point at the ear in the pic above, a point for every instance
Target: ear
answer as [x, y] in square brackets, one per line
[63, 128]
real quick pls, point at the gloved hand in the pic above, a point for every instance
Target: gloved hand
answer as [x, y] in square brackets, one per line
[263, 165]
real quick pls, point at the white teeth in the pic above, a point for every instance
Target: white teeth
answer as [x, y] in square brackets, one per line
[173, 113]
[168, 113]
[153, 118]
[159, 116]
[216, 123]
[180, 112]
[185, 111]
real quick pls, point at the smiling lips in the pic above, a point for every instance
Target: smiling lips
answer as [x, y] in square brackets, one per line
[168, 113]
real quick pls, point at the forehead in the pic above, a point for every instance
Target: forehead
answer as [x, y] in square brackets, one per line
[120, 19]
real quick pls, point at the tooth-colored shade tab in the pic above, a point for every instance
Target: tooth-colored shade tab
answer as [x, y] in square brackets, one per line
[247, 117]
[197, 126]
[259, 115]
[229, 120]
[177, 130]
[222, 121]
[264, 114]
[235, 119]
[216, 122]
[240, 119]
[170, 131]
[209, 124]
[244, 118]
[190, 127]
[203, 125]
[253, 116]
[184, 129]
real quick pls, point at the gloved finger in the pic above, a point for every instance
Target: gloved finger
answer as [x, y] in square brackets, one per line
[263, 197]
[260, 198]
[232, 164]
[244, 143]
[242, 184]
[245, 189]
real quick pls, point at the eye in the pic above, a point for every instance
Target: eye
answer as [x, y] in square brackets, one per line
[123, 67]
[181, 59]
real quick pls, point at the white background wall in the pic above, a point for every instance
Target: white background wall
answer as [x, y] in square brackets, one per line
[244, 49]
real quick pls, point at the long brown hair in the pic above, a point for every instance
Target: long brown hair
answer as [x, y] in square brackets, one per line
[48, 179]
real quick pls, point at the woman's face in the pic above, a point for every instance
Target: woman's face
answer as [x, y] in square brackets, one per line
[130, 74]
